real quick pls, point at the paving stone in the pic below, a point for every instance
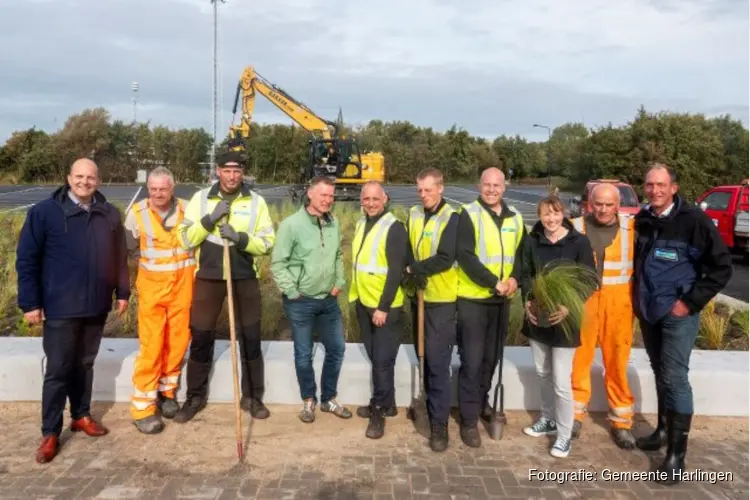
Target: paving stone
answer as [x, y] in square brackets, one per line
[182, 464]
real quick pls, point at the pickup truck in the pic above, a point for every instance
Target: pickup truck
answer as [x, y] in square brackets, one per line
[727, 206]
[629, 203]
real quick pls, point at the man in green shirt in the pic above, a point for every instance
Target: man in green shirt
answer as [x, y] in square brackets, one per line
[307, 266]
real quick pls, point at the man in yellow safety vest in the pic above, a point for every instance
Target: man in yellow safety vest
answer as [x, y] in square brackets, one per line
[432, 266]
[379, 250]
[488, 252]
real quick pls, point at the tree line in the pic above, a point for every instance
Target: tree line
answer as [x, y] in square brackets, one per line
[705, 151]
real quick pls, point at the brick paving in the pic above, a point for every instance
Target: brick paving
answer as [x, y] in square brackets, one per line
[331, 459]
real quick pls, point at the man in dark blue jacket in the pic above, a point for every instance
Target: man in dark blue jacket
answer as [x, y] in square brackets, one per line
[681, 263]
[71, 261]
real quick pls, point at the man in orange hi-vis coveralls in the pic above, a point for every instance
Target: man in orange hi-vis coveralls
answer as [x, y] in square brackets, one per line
[165, 291]
[608, 316]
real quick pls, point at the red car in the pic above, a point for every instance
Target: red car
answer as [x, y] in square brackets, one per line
[629, 203]
[728, 208]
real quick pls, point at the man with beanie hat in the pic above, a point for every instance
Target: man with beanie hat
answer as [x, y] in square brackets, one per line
[228, 210]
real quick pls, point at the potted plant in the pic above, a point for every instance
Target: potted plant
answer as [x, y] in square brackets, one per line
[562, 284]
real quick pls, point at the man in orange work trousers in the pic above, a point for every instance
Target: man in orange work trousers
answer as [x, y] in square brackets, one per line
[608, 316]
[165, 290]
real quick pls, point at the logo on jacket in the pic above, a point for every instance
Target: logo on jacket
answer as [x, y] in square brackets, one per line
[666, 254]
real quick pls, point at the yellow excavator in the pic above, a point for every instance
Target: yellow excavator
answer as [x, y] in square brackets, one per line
[330, 153]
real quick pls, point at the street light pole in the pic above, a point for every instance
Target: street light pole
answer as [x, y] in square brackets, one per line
[134, 88]
[549, 153]
[215, 85]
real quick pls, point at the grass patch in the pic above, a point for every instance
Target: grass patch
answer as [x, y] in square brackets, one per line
[274, 323]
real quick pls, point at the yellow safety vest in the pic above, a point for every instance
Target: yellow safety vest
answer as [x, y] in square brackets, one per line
[370, 264]
[424, 239]
[160, 250]
[617, 268]
[495, 249]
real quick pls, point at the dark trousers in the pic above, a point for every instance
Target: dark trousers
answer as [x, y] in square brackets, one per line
[479, 328]
[208, 300]
[70, 347]
[382, 344]
[439, 339]
[307, 316]
[668, 345]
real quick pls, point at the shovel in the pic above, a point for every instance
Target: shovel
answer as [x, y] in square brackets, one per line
[497, 424]
[233, 344]
[418, 410]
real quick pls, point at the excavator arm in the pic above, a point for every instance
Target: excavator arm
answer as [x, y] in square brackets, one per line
[330, 153]
[250, 83]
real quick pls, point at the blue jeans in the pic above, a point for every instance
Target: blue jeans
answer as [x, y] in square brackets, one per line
[306, 316]
[669, 344]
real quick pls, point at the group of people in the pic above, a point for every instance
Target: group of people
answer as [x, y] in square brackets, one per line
[660, 267]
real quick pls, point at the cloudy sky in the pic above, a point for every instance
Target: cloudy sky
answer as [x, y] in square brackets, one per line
[490, 66]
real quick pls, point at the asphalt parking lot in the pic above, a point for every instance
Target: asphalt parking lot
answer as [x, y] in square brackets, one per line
[523, 198]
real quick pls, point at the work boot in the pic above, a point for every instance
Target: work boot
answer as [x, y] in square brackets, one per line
[658, 438]
[439, 436]
[255, 407]
[149, 425]
[332, 406]
[364, 411]
[189, 409]
[307, 413]
[678, 428]
[623, 438]
[577, 424]
[376, 427]
[168, 407]
[470, 436]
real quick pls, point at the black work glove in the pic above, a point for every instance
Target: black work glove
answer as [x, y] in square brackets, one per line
[420, 281]
[228, 233]
[220, 210]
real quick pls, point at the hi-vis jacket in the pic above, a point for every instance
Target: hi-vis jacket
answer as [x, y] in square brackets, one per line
[159, 249]
[487, 249]
[248, 215]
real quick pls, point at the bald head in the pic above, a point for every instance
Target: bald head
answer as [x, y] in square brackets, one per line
[83, 179]
[605, 189]
[605, 202]
[491, 187]
[373, 198]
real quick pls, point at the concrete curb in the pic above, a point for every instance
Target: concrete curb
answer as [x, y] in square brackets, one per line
[719, 379]
[731, 302]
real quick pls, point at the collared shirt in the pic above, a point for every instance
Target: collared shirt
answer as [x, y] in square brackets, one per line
[85, 206]
[664, 214]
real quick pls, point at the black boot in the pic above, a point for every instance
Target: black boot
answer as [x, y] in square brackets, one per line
[678, 428]
[253, 388]
[439, 437]
[376, 427]
[197, 390]
[658, 438]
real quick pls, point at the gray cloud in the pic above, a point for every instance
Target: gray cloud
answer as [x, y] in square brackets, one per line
[493, 69]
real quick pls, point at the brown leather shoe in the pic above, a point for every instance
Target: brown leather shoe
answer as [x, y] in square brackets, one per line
[90, 426]
[48, 449]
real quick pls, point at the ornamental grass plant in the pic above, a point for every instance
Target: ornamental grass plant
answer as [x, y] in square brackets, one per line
[562, 284]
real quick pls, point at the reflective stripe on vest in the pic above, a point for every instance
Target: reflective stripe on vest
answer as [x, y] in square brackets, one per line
[176, 257]
[494, 247]
[625, 263]
[441, 219]
[369, 275]
[443, 286]
[218, 240]
[476, 210]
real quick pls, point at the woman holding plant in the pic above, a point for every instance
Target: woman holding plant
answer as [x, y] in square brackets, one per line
[558, 276]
